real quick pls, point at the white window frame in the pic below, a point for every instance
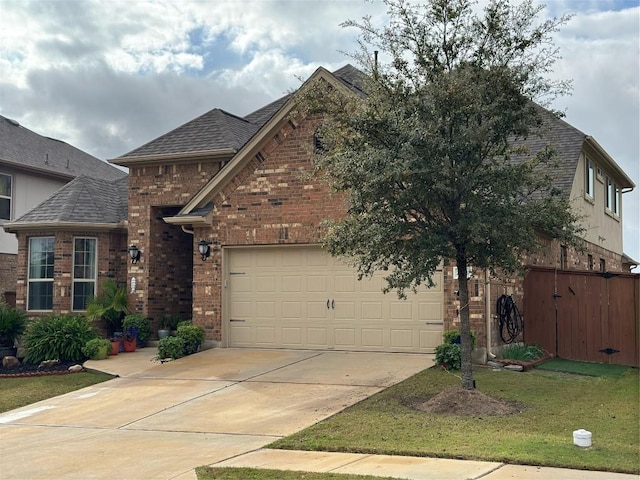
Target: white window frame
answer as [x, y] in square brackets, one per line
[75, 280]
[31, 281]
[612, 197]
[589, 179]
[8, 197]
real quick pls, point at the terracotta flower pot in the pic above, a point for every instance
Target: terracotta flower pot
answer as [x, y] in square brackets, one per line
[129, 345]
[115, 347]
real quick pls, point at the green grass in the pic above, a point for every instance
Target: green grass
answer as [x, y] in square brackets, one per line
[555, 406]
[582, 368]
[211, 473]
[21, 391]
[518, 351]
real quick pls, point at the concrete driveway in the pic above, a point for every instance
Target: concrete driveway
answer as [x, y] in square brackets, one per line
[159, 421]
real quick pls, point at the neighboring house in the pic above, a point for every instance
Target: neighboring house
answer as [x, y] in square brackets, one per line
[243, 191]
[32, 168]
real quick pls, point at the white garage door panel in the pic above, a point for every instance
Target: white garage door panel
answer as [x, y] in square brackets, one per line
[300, 297]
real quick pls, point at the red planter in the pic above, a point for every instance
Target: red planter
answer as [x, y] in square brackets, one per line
[129, 345]
[115, 348]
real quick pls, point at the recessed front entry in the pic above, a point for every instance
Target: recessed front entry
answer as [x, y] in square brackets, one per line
[301, 297]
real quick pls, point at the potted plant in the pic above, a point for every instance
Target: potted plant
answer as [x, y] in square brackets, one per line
[140, 325]
[97, 348]
[12, 325]
[111, 306]
[129, 342]
[115, 345]
[164, 329]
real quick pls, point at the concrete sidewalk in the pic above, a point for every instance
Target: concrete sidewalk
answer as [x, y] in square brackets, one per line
[411, 468]
[220, 408]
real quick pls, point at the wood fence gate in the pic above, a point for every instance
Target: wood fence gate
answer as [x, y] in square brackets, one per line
[587, 316]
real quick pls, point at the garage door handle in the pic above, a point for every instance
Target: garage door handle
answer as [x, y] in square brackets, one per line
[327, 304]
[235, 320]
[333, 304]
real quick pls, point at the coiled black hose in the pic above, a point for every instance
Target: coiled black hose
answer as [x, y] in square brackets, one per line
[510, 320]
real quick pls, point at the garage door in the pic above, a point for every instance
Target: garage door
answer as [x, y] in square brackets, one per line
[301, 297]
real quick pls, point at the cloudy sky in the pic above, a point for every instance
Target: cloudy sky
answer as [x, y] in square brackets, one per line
[108, 76]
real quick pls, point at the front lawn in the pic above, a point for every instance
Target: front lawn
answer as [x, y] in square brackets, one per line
[20, 391]
[553, 406]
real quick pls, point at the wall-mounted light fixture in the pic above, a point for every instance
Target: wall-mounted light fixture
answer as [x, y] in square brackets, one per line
[204, 248]
[134, 253]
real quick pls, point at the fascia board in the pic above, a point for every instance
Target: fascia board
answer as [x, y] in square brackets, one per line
[15, 227]
[610, 163]
[222, 154]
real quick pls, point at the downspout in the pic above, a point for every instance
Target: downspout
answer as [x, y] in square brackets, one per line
[487, 311]
[186, 230]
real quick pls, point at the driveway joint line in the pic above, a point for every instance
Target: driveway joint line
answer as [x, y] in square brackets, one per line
[482, 475]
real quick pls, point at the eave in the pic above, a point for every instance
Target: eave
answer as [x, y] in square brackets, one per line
[15, 227]
[610, 165]
[185, 157]
[196, 220]
[40, 171]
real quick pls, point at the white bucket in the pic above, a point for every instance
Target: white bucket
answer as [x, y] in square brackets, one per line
[582, 438]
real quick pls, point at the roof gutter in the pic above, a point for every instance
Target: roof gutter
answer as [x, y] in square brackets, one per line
[16, 227]
[221, 154]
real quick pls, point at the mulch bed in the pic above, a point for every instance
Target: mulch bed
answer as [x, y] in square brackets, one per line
[29, 370]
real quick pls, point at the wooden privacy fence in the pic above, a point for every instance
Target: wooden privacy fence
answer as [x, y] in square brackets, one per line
[587, 316]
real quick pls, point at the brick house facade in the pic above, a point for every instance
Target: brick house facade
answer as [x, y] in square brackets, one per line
[248, 182]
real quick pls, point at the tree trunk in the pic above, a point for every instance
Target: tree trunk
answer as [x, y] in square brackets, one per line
[468, 383]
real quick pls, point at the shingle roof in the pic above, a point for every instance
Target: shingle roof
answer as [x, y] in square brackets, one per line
[565, 140]
[83, 200]
[213, 131]
[23, 148]
[218, 130]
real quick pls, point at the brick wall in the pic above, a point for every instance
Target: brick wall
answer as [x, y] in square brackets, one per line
[276, 199]
[8, 274]
[164, 274]
[111, 255]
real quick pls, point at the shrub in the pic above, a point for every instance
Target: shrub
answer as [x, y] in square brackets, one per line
[12, 324]
[170, 347]
[57, 337]
[111, 305]
[448, 356]
[520, 351]
[453, 336]
[192, 335]
[93, 347]
[142, 323]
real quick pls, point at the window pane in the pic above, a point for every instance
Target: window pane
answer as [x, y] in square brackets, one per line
[82, 292]
[5, 186]
[84, 258]
[5, 209]
[40, 296]
[41, 258]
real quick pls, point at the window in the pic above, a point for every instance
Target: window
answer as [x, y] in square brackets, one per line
[5, 196]
[589, 187]
[612, 198]
[590, 261]
[40, 288]
[84, 271]
[563, 257]
[603, 265]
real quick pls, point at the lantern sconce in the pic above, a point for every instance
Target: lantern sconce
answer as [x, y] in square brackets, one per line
[204, 248]
[134, 253]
